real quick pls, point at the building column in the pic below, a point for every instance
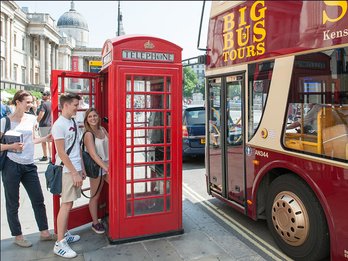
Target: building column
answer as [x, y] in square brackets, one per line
[53, 53]
[42, 60]
[12, 49]
[57, 57]
[65, 62]
[81, 64]
[68, 60]
[28, 38]
[47, 62]
[8, 67]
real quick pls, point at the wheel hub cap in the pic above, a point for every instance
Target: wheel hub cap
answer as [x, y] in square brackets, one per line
[290, 218]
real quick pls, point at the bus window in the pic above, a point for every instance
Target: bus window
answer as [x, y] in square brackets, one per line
[234, 111]
[214, 113]
[260, 75]
[317, 114]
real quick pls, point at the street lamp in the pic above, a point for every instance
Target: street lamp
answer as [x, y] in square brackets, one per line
[118, 19]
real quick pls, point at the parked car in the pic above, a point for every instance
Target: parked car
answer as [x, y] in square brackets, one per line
[193, 131]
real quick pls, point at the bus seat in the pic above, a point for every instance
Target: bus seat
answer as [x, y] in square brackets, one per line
[343, 111]
[335, 141]
[294, 144]
[329, 117]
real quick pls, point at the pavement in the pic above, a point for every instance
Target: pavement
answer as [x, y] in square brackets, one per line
[204, 238]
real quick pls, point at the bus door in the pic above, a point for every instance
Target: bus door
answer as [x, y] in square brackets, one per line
[87, 85]
[234, 138]
[225, 137]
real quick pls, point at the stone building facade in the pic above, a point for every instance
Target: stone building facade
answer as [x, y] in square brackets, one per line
[32, 45]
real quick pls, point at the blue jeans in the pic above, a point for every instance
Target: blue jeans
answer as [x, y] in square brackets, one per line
[12, 175]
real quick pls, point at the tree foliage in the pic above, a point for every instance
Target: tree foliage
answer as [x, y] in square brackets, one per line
[190, 82]
[37, 94]
[201, 89]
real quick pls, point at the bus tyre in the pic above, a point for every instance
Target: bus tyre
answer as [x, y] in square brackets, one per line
[296, 219]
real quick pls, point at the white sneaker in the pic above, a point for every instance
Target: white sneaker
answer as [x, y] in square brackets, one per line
[62, 249]
[71, 238]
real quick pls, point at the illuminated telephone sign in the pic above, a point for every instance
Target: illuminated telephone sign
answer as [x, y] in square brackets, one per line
[95, 66]
[147, 56]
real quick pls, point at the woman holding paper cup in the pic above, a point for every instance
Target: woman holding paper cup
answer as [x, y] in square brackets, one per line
[19, 168]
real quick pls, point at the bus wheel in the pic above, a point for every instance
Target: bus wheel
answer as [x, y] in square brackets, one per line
[296, 219]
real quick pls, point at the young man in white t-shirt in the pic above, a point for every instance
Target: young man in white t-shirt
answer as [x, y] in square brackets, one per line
[64, 132]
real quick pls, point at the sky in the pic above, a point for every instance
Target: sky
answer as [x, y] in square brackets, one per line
[175, 21]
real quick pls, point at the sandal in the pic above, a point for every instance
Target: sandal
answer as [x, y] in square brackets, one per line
[23, 242]
[51, 237]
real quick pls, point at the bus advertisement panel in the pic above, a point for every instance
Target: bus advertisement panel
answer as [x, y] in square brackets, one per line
[277, 114]
[262, 29]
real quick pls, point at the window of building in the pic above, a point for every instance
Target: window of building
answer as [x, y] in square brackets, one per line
[317, 114]
[15, 66]
[31, 76]
[23, 75]
[23, 43]
[15, 40]
[260, 76]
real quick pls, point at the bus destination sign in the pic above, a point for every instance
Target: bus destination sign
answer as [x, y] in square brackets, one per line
[147, 56]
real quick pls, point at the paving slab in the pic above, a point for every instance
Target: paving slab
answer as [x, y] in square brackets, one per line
[162, 250]
[129, 252]
[204, 239]
[196, 244]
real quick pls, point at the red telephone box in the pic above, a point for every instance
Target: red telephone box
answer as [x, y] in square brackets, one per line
[139, 91]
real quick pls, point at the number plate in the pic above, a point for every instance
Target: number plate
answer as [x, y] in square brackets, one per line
[203, 141]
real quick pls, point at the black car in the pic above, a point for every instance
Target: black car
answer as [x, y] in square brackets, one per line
[193, 131]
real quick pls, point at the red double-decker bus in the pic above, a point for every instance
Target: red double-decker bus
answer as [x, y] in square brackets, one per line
[277, 113]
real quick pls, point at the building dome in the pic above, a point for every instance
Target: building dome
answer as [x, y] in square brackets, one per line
[74, 25]
[72, 19]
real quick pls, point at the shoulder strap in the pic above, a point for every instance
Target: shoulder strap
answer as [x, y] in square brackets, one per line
[104, 130]
[100, 181]
[7, 127]
[82, 143]
[72, 145]
[8, 124]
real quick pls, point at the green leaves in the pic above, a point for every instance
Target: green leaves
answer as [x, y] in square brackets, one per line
[190, 82]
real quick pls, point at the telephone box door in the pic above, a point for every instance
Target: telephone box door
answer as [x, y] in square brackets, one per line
[87, 86]
[147, 127]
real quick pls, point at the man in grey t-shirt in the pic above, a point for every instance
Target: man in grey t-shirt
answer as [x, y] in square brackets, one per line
[44, 120]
